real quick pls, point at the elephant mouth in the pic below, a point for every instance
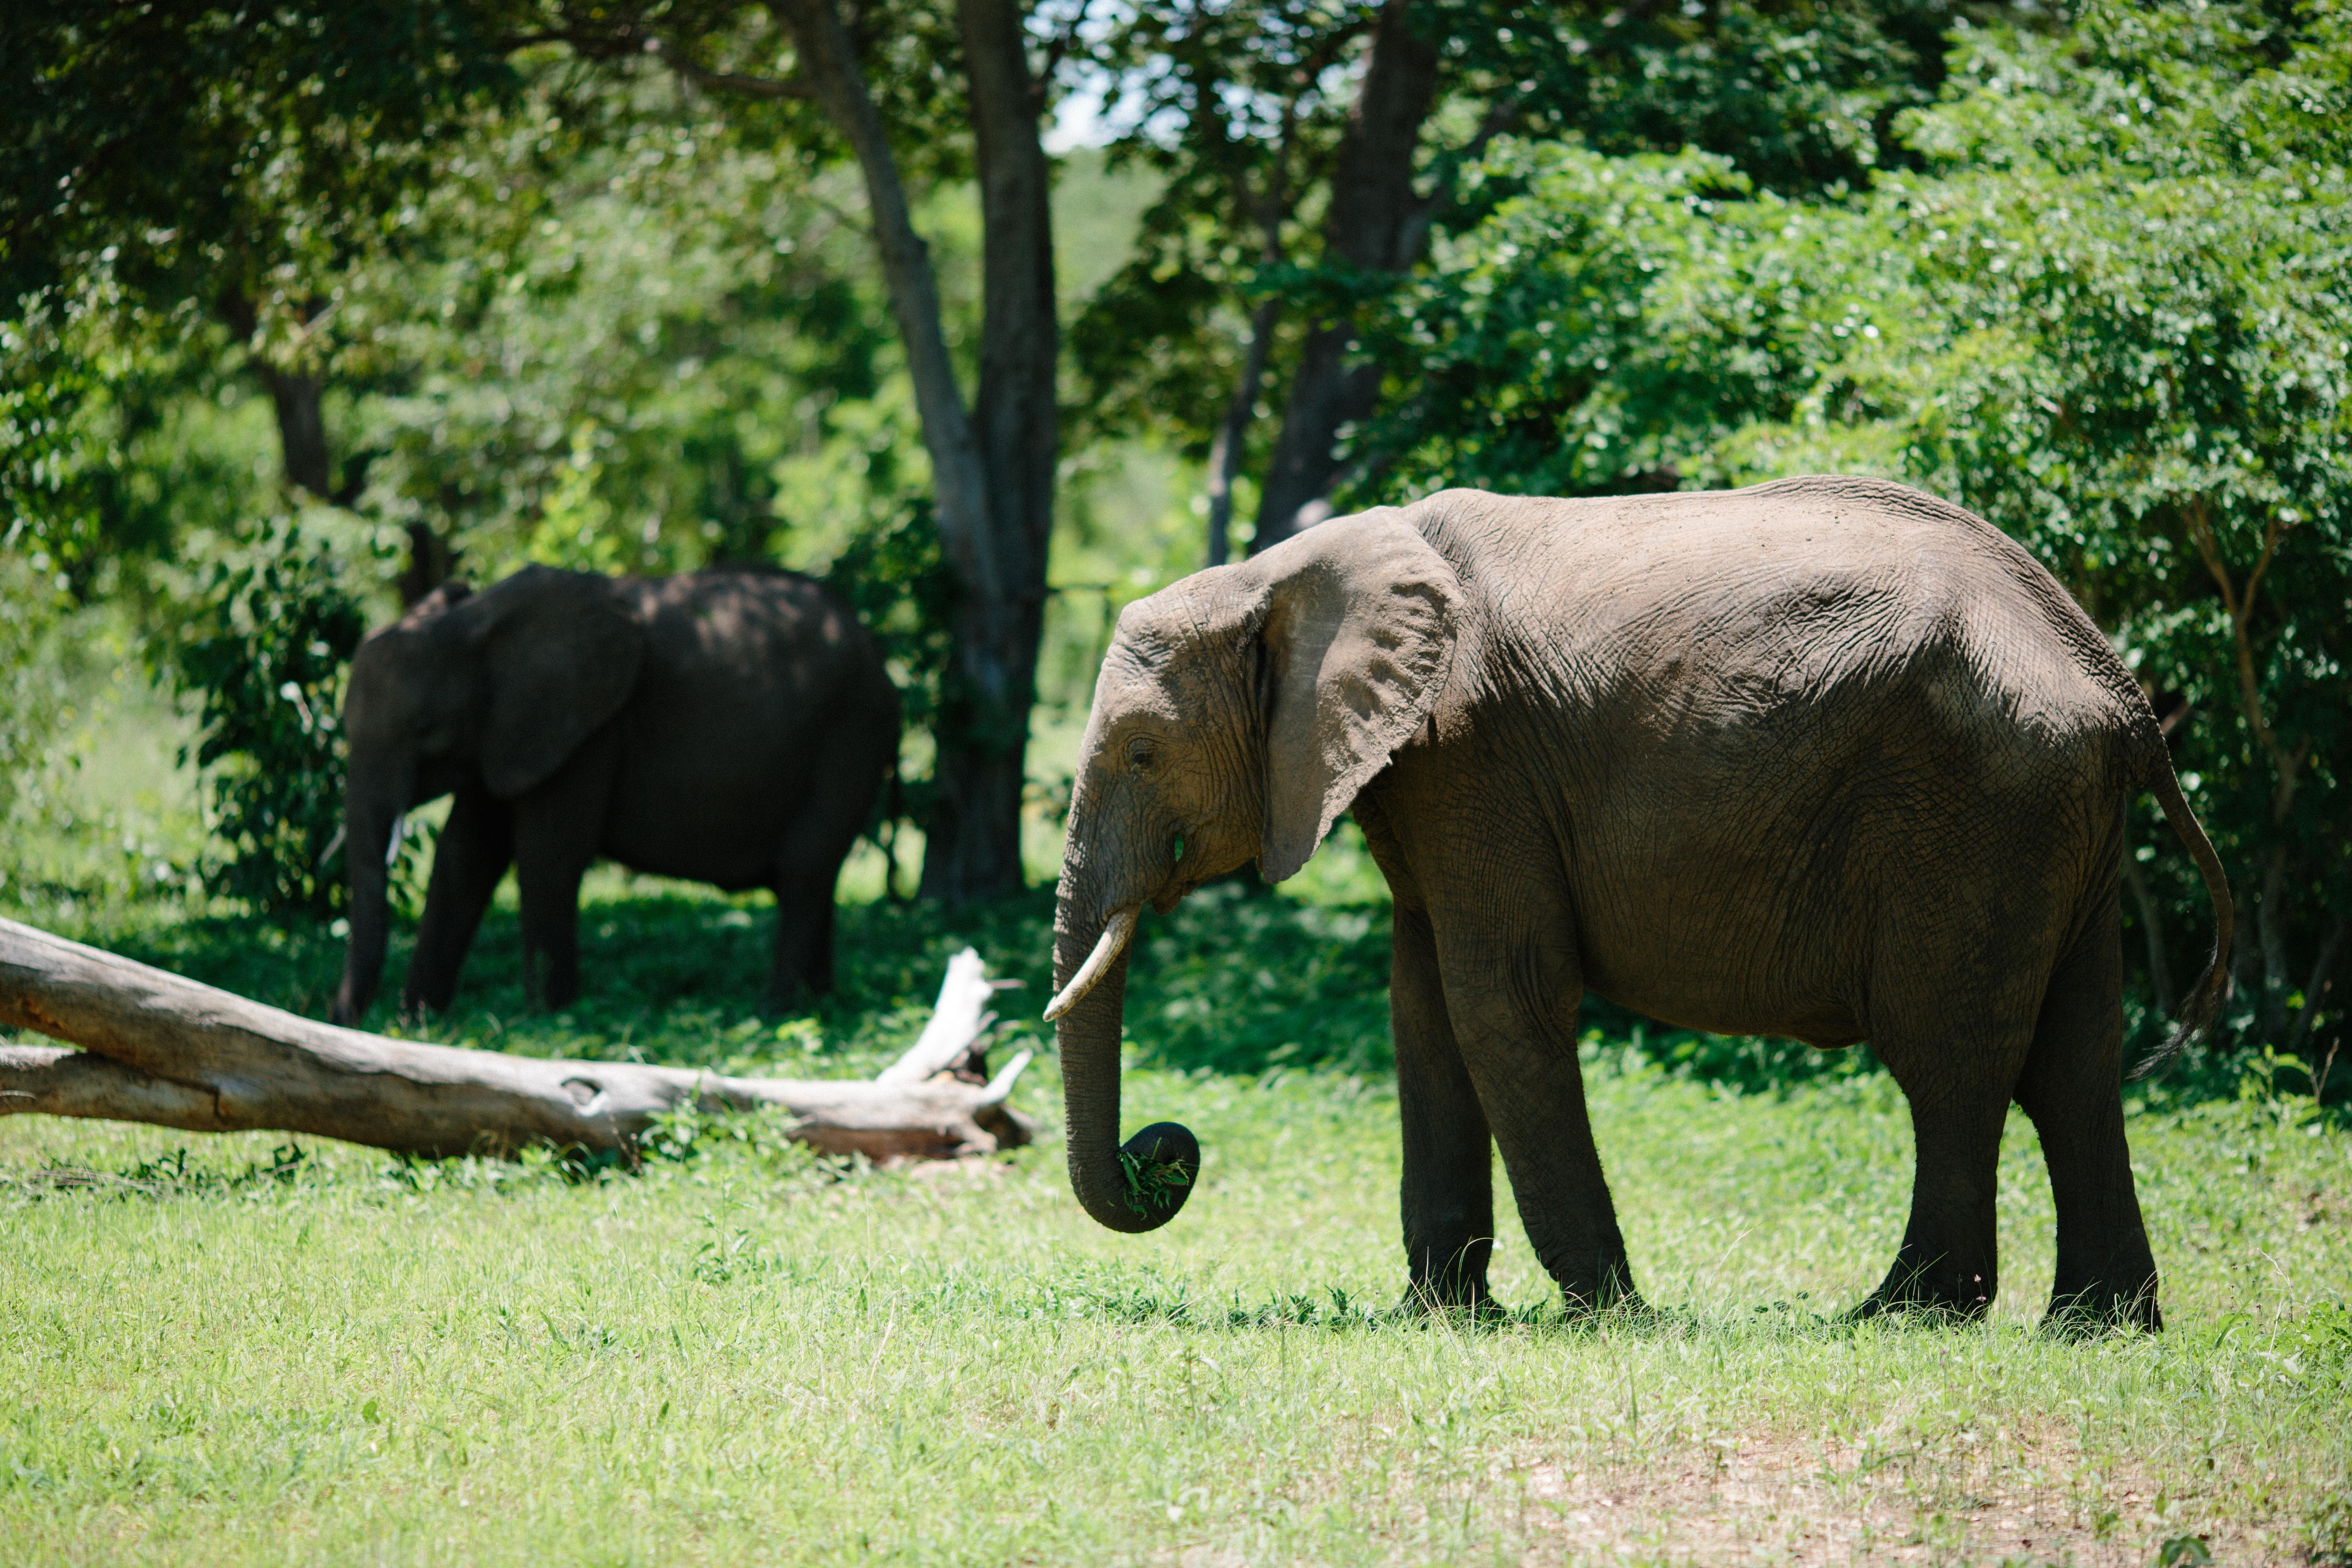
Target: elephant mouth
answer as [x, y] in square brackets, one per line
[1116, 932]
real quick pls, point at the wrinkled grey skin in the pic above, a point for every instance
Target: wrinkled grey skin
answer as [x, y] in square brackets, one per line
[1826, 759]
[729, 726]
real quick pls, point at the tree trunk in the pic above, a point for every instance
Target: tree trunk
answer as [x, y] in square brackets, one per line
[1376, 224]
[959, 484]
[1233, 434]
[163, 1050]
[300, 401]
[2316, 989]
[994, 482]
[2270, 934]
[973, 846]
[431, 560]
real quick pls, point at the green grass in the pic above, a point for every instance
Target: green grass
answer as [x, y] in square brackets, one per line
[224, 1350]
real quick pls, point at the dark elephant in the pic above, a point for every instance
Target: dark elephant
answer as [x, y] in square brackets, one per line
[730, 726]
[1827, 759]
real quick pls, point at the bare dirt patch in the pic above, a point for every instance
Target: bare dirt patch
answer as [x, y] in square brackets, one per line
[1962, 1499]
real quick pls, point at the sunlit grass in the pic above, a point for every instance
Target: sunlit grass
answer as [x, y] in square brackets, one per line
[238, 1351]
[740, 1359]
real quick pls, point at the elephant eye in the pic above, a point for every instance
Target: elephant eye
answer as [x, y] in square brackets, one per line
[1142, 751]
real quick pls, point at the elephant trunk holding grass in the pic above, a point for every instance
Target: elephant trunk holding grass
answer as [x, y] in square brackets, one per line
[730, 726]
[1826, 759]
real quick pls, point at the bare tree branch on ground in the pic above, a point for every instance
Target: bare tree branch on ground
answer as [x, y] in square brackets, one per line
[159, 1048]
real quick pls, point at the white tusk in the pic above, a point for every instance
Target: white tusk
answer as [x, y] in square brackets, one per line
[392, 845]
[333, 845]
[1114, 942]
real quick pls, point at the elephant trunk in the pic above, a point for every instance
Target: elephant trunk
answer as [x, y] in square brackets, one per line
[370, 814]
[1141, 1184]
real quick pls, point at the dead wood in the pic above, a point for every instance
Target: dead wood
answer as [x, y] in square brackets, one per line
[159, 1048]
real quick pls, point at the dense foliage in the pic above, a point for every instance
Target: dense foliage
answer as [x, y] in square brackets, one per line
[2108, 312]
[581, 302]
[263, 659]
[1244, 112]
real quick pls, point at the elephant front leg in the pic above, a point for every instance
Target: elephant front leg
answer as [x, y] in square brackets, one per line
[472, 853]
[1448, 1196]
[1512, 988]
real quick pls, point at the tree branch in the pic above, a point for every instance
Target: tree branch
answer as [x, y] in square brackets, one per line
[163, 1050]
[766, 86]
[2240, 608]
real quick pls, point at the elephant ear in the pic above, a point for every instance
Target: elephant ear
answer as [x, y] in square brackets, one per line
[561, 651]
[1358, 636]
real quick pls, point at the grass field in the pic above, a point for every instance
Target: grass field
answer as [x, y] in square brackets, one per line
[231, 1351]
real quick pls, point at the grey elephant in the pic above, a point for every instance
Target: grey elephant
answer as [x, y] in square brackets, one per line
[1827, 759]
[730, 726]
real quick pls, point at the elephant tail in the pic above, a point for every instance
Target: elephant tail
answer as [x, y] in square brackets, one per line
[2205, 998]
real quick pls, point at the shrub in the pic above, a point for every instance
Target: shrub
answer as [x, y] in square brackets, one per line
[2109, 316]
[265, 656]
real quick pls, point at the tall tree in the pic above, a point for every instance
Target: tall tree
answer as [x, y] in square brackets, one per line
[231, 155]
[1372, 228]
[993, 459]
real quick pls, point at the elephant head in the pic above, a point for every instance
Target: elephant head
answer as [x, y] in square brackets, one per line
[499, 686]
[1238, 714]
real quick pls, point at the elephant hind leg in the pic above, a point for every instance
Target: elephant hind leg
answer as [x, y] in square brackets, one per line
[802, 964]
[1958, 1074]
[832, 809]
[1948, 1261]
[2072, 1088]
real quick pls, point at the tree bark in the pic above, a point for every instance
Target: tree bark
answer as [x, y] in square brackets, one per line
[2316, 989]
[972, 848]
[296, 397]
[431, 560]
[1233, 433]
[1376, 224]
[300, 402]
[2270, 934]
[163, 1050]
[993, 480]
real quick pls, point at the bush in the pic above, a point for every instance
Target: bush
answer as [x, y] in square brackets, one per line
[2109, 316]
[28, 696]
[265, 656]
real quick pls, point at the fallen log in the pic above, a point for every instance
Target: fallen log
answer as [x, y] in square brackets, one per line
[156, 1047]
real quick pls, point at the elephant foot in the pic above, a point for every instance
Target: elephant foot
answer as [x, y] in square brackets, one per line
[2099, 1307]
[1608, 1289]
[1454, 1299]
[1930, 1291]
[420, 1010]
